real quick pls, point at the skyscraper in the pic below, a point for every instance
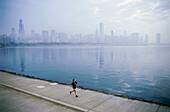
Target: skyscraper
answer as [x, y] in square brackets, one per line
[146, 39]
[53, 33]
[32, 33]
[96, 33]
[52, 36]
[125, 34]
[112, 33]
[13, 35]
[45, 35]
[6, 39]
[134, 38]
[101, 27]
[158, 38]
[21, 29]
[13, 30]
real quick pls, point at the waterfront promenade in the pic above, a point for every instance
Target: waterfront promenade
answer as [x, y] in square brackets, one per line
[18, 94]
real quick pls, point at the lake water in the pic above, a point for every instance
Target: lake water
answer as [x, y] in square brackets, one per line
[136, 71]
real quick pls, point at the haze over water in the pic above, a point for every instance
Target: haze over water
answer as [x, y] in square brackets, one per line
[136, 71]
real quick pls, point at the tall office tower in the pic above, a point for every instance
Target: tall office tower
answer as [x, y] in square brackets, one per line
[1, 40]
[125, 33]
[21, 29]
[45, 35]
[62, 37]
[13, 35]
[134, 38]
[101, 27]
[6, 39]
[112, 33]
[146, 39]
[32, 33]
[158, 38]
[52, 33]
[52, 36]
[13, 31]
[96, 33]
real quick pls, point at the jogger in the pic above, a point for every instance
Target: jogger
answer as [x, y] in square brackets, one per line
[74, 85]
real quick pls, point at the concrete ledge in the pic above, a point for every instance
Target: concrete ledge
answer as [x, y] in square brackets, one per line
[47, 98]
[100, 91]
[88, 100]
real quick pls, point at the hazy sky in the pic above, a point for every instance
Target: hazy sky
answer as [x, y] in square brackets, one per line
[83, 16]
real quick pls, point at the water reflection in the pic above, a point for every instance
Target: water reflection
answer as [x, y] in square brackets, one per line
[96, 54]
[14, 57]
[63, 52]
[101, 58]
[53, 55]
[135, 71]
[5, 52]
[113, 55]
[22, 58]
[46, 55]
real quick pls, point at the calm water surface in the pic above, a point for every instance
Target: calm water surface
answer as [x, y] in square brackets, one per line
[141, 71]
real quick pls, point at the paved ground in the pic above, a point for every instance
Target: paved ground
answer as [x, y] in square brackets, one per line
[59, 94]
[15, 101]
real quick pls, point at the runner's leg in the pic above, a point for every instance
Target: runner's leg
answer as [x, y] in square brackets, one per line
[75, 93]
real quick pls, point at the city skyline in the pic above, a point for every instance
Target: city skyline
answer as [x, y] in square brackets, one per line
[98, 33]
[73, 17]
[59, 37]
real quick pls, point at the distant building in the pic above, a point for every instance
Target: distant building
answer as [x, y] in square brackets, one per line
[1, 39]
[90, 38]
[112, 33]
[77, 38]
[52, 33]
[96, 33]
[5, 39]
[146, 40]
[13, 35]
[62, 37]
[52, 36]
[158, 38]
[37, 36]
[134, 38]
[140, 40]
[21, 29]
[101, 27]
[45, 35]
[13, 31]
[125, 33]
[32, 33]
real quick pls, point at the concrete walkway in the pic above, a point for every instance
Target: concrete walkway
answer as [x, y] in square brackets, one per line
[15, 101]
[59, 94]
